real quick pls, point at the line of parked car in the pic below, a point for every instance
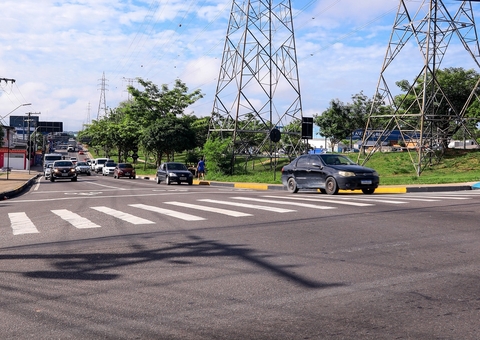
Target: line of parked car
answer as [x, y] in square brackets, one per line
[169, 172]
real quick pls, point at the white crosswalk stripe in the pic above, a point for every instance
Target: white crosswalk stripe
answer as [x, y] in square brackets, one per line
[356, 204]
[76, 220]
[21, 224]
[305, 205]
[378, 200]
[211, 209]
[123, 215]
[252, 206]
[172, 213]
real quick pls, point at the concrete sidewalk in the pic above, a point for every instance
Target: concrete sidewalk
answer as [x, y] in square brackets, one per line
[15, 182]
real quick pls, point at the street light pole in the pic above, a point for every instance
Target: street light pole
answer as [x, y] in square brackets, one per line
[29, 139]
[19, 106]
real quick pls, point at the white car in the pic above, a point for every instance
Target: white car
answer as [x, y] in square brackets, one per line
[48, 170]
[108, 168]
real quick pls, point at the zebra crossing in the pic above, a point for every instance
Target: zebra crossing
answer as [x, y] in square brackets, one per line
[21, 223]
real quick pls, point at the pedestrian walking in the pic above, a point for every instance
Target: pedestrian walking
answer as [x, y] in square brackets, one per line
[201, 169]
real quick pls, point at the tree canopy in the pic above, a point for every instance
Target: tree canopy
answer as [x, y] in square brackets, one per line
[154, 119]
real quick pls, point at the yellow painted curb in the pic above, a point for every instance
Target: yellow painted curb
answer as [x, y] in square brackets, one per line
[255, 186]
[396, 190]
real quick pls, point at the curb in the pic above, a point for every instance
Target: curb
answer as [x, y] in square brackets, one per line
[379, 190]
[12, 193]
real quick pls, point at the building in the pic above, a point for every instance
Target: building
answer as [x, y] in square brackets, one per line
[12, 155]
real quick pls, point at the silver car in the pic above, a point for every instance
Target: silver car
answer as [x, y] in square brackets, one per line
[82, 168]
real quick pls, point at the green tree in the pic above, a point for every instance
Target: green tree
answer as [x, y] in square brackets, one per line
[456, 87]
[218, 155]
[340, 120]
[168, 135]
[2, 134]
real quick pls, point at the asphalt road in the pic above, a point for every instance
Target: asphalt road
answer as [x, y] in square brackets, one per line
[129, 259]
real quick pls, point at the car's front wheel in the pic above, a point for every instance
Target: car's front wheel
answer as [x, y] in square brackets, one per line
[158, 180]
[331, 186]
[292, 186]
[74, 179]
[52, 179]
[168, 181]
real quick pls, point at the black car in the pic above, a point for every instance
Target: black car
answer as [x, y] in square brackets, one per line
[328, 173]
[63, 170]
[173, 172]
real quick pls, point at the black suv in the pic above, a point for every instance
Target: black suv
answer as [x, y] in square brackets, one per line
[63, 170]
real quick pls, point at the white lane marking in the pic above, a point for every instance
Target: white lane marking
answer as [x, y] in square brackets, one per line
[211, 209]
[252, 206]
[107, 186]
[304, 205]
[21, 224]
[419, 199]
[373, 200]
[172, 213]
[123, 215]
[449, 197]
[77, 197]
[76, 220]
[333, 201]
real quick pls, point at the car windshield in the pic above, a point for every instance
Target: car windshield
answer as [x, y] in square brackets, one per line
[82, 164]
[125, 165]
[110, 164]
[63, 163]
[337, 160]
[176, 166]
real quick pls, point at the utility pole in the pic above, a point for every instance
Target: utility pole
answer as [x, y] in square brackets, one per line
[431, 120]
[102, 104]
[130, 82]
[29, 153]
[259, 58]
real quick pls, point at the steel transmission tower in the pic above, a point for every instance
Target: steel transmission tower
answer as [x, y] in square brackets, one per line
[258, 87]
[102, 104]
[426, 119]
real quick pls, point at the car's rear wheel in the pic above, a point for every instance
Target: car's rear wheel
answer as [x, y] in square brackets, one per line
[323, 191]
[368, 191]
[331, 186]
[292, 186]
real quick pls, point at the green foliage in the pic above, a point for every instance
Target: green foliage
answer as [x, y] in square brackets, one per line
[218, 156]
[192, 157]
[340, 120]
[154, 121]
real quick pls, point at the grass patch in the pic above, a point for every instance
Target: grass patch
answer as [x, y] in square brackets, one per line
[395, 168]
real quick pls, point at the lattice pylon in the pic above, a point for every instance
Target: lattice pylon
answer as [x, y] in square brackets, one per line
[431, 119]
[102, 104]
[258, 86]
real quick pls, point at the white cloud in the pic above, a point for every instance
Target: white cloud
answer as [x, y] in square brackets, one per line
[58, 50]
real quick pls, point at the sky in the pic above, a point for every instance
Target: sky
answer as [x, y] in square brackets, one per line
[58, 52]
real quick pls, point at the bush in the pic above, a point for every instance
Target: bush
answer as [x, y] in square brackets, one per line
[218, 156]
